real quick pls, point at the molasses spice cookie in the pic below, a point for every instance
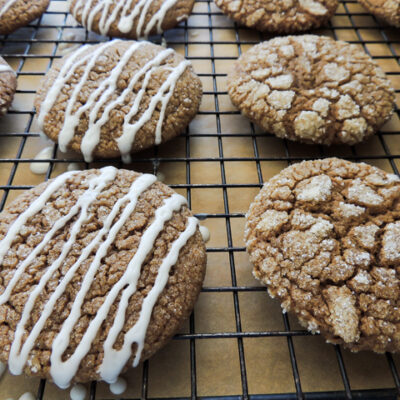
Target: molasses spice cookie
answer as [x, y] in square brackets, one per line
[98, 270]
[387, 10]
[116, 98]
[286, 16]
[324, 236]
[312, 89]
[132, 19]
[8, 84]
[17, 13]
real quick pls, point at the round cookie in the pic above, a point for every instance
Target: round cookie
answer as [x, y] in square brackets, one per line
[98, 270]
[117, 98]
[288, 16]
[131, 19]
[312, 89]
[387, 10]
[324, 236]
[8, 85]
[15, 14]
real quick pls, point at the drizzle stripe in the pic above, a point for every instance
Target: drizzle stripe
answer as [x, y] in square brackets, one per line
[6, 68]
[63, 371]
[33, 209]
[6, 6]
[115, 360]
[18, 355]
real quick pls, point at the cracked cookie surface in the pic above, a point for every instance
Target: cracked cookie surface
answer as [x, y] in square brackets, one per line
[287, 16]
[387, 10]
[8, 85]
[312, 89]
[324, 236]
[92, 250]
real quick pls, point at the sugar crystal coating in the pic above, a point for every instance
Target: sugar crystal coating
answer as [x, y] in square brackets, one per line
[331, 91]
[324, 236]
[287, 16]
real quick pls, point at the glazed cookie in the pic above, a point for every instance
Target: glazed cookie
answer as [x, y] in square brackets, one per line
[312, 89]
[15, 14]
[324, 236]
[117, 98]
[287, 16]
[387, 10]
[8, 85]
[98, 270]
[132, 19]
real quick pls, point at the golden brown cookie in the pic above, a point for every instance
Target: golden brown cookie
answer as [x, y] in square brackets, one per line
[132, 19]
[387, 10]
[98, 270]
[312, 89]
[117, 98]
[15, 14]
[8, 85]
[287, 16]
[324, 236]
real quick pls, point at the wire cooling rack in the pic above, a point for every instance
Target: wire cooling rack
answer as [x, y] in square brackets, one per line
[237, 343]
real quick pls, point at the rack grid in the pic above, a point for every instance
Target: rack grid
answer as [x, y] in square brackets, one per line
[223, 141]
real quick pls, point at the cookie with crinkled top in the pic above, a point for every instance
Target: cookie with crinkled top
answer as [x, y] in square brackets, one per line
[130, 19]
[387, 10]
[312, 89]
[117, 98]
[287, 16]
[324, 236]
[8, 85]
[15, 14]
[113, 213]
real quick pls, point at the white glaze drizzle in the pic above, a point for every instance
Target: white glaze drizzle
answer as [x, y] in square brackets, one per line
[99, 99]
[78, 392]
[27, 396]
[6, 6]
[119, 386]
[126, 14]
[5, 68]
[205, 233]
[41, 168]
[114, 360]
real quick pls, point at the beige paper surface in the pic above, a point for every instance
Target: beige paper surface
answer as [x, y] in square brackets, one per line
[267, 360]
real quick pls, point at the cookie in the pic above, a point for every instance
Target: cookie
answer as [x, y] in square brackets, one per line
[8, 85]
[117, 98]
[15, 14]
[312, 89]
[286, 16]
[131, 19]
[324, 236]
[98, 270]
[387, 10]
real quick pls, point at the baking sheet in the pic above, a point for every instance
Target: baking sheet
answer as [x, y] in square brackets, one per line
[224, 159]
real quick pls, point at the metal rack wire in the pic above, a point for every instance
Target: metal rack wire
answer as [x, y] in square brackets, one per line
[349, 20]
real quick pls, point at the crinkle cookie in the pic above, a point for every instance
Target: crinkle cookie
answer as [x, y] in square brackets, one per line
[117, 98]
[324, 236]
[132, 19]
[284, 16]
[312, 89]
[8, 85]
[15, 14]
[98, 270]
[387, 10]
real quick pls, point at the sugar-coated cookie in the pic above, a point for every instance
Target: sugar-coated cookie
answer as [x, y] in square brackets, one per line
[284, 16]
[312, 89]
[8, 85]
[387, 10]
[324, 236]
